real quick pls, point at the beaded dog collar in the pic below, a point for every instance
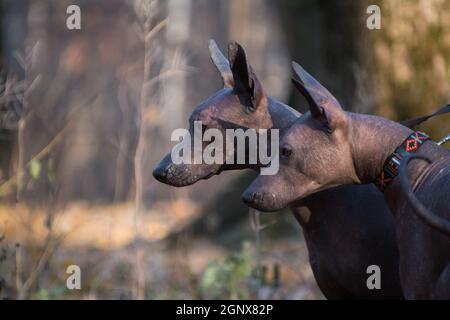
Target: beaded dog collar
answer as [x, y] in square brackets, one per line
[390, 169]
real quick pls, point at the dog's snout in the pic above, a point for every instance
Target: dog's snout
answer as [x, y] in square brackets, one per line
[260, 200]
[249, 197]
[160, 174]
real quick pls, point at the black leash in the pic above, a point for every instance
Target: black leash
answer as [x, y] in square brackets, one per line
[411, 123]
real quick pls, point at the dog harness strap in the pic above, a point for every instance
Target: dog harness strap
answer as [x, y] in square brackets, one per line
[390, 169]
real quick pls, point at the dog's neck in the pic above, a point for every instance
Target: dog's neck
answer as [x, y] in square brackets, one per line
[372, 140]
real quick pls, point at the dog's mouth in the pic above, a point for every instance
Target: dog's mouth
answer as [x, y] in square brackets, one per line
[209, 175]
[262, 201]
[185, 175]
[192, 180]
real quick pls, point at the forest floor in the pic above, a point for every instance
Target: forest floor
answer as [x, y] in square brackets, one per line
[116, 262]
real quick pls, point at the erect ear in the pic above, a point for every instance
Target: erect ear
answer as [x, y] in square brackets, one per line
[323, 105]
[246, 84]
[222, 64]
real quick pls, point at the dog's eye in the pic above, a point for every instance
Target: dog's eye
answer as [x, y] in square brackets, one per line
[251, 106]
[286, 152]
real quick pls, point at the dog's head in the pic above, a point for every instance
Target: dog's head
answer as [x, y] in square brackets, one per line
[315, 152]
[241, 103]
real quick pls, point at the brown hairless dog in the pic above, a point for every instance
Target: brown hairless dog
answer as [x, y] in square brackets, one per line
[328, 147]
[346, 229]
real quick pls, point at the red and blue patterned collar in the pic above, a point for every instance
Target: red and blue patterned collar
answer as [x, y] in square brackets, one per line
[390, 169]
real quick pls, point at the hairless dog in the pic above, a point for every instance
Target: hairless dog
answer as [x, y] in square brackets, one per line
[328, 147]
[346, 229]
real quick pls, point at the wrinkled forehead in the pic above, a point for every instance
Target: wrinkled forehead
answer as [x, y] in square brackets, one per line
[301, 130]
[222, 104]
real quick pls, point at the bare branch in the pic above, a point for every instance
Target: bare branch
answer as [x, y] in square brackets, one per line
[155, 30]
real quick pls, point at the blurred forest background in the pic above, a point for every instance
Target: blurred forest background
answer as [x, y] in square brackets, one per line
[86, 114]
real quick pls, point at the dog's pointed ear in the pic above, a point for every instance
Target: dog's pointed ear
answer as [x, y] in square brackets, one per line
[245, 81]
[322, 104]
[221, 64]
